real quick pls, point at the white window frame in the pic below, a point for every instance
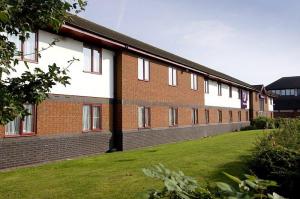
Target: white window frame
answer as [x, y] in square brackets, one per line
[173, 116]
[194, 82]
[172, 76]
[195, 116]
[144, 117]
[143, 69]
[219, 89]
[206, 86]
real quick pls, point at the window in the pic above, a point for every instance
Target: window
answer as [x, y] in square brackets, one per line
[277, 92]
[247, 116]
[256, 97]
[266, 100]
[288, 92]
[172, 76]
[173, 116]
[220, 116]
[230, 116]
[194, 82]
[92, 59]
[194, 116]
[143, 69]
[206, 86]
[261, 104]
[239, 93]
[298, 92]
[19, 127]
[207, 116]
[271, 101]
[27, 50]
[143, 117]
[230, 91]
[91, 117]
[282, 92]
[293, 92]
[219, 89]
[240, 116]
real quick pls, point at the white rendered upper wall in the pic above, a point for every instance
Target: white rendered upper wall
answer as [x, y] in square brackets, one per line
[213, 99]
[81, 83]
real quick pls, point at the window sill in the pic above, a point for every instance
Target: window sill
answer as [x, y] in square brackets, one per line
[143, 80]
[176, 125]
[28, 60]
[91, 131]
[22, 135]
[172, 85]
[94, 73]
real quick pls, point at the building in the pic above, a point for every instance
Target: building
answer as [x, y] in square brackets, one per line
[287, 104]
[124, 94]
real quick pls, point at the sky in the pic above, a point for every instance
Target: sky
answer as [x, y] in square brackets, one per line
[256, 41]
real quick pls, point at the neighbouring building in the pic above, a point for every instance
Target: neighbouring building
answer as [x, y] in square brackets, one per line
[124, 94]
[287, 104]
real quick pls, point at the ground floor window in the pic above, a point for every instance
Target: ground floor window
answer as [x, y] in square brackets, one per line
[239, 116]
[220, 116]
[230, 116]
[143, 117]
[23, 126]
[91, 117]
[194, 116]
[173, 116]
[207, 116]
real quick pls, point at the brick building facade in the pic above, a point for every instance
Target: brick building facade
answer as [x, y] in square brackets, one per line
[136, 96]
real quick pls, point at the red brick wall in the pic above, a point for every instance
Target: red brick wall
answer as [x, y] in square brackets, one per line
[57, 117]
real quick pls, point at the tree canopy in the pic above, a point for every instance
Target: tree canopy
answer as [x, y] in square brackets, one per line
[20, 18]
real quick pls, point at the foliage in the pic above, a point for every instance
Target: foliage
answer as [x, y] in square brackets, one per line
[176, 184]
[277, 157]
[179, 186]
[263, 123]
[19, 18]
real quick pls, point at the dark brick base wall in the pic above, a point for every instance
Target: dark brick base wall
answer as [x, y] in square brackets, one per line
[152, 137]
[30, 150]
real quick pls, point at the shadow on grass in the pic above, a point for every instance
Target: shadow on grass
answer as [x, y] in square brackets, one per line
[126, 160]
[236, 168]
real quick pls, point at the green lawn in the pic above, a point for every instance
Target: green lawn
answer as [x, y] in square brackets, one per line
[118, 175]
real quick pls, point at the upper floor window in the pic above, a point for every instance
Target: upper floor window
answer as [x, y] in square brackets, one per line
[172, 76]
[143, 69]
[173, 116]
[194, 82]
[206, 86]
[194, 116]
[91, 117]
[271, 101]
[143, 117]
[230, 91]
[92, 59]
[239, 93]
[219, 89]
[261, 104]
[21, 126]
[28, 49]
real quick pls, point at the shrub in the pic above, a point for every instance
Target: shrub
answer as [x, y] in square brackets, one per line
[179, 186]
[263, 123]
[277, 157]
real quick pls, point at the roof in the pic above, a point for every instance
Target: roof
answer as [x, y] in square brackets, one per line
[94, 28]
[284, 83]
[262, 88]
[258, 87]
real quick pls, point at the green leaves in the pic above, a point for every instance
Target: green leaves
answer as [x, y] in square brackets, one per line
[18, 18]
[179, 186]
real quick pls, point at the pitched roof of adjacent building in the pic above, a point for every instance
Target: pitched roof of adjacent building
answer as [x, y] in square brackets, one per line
[285, 83]
[262, 88]
[94, 28]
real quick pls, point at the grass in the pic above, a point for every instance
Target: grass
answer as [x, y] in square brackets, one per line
[119, 175]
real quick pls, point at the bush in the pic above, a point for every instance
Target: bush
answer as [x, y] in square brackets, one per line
[263, 123]
[277, 157]
[179, 186]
